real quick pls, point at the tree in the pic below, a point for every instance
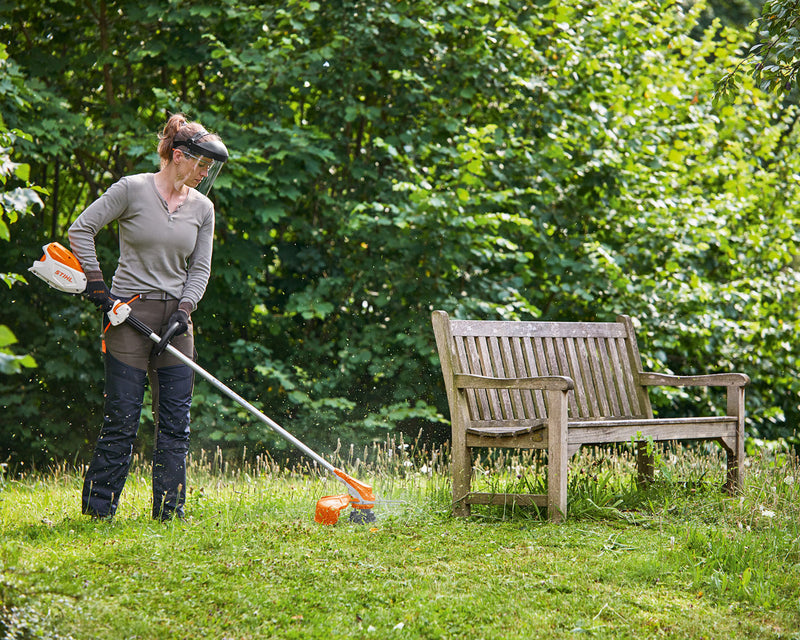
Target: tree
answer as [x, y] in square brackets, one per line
[772, 59]
[495, 159]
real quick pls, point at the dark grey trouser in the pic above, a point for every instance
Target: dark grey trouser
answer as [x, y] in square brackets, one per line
[128, 360]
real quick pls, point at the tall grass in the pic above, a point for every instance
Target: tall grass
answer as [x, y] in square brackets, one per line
[678, 541]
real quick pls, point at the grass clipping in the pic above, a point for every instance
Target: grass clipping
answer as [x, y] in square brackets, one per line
[677, 560]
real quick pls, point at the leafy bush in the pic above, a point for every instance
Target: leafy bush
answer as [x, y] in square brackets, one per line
[495, 159]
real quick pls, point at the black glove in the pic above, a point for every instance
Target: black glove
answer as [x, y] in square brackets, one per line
[98, 293]
[178, 323]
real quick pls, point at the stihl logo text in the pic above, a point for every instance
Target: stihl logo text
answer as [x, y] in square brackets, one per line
[63, 275]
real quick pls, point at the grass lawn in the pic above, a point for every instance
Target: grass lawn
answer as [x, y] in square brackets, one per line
[678, 560]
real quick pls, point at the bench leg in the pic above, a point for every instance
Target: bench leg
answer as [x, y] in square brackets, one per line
[461, 470]
[557, 455]
[461, 482]
[735, 450]
[644, 463]
[732, 472]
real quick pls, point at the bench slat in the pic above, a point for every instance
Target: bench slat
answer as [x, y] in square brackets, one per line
[464, 364]
[515, 366]
[505, 428]
[499, 357]
[521, 367]
[537, 329]
[601, 384]
[594, 385]
[559, 366]
[612, 392]
[622, 376]
[658, 430]
[588, 387]
[539, 362]
[538, 396]
[567, 352]
[489, 405]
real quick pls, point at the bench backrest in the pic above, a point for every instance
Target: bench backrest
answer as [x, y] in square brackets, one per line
[602, 359]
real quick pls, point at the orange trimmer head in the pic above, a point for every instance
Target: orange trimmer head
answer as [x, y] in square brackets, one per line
[359, 496]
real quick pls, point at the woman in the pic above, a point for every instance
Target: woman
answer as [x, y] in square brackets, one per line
[166, 232]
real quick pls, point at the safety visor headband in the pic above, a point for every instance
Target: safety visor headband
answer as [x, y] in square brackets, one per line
[213, 149]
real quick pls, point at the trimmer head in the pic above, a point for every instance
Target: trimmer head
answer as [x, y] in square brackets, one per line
[360, 497]
[329, 507]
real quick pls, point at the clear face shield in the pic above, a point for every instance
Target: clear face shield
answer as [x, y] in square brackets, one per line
[208, 157]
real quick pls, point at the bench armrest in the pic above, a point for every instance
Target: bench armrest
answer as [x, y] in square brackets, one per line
[707, 380]
[542, 383]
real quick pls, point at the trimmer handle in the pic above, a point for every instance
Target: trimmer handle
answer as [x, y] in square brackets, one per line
[117, 312]
[172, 329]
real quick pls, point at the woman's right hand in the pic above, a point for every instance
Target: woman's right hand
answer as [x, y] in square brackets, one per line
[98, 293]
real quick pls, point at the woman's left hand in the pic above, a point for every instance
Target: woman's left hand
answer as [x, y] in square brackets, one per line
[178, 324]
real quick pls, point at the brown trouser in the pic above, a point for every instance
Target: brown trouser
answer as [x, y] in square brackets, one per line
[129, 346]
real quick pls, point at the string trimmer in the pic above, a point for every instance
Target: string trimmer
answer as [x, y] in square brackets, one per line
[59, 268]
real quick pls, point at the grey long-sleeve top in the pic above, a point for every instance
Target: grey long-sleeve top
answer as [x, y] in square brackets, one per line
[159, 251]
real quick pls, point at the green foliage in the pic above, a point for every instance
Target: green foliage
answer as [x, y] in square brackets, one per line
[17, 199]
[495, 159]
[771, 60]
[10, 363]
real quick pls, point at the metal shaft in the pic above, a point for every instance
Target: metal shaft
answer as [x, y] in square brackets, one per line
[145, 330]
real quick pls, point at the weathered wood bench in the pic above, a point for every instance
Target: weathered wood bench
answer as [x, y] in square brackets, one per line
[559, 386]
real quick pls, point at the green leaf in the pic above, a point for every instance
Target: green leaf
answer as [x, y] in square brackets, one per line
[7, 337]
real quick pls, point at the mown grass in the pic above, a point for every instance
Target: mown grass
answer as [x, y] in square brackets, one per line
[678, 560]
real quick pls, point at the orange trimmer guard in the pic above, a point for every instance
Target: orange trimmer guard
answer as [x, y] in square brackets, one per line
[328, 508]
[362, 495]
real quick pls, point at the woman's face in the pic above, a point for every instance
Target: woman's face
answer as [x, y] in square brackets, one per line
[191, 169]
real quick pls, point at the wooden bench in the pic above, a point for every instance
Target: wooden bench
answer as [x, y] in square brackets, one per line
[558, 386]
